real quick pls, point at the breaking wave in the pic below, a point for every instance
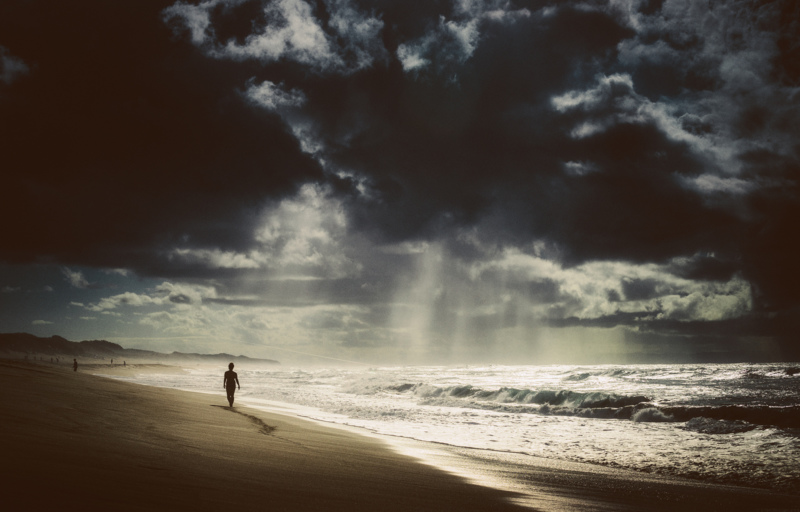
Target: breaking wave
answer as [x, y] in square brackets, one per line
[565, 398]
[774, 416]
[638, 408]
[712, 426]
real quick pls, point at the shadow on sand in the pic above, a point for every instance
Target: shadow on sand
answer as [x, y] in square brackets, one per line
[262, 427]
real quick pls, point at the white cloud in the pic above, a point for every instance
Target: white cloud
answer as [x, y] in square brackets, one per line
[419, 53]
[300, 237]
[725, 55]
[124, 299]
[579, 168]
[454, 41]
[711, 184]
[611, 91]
[360, 32]
[214, 258]
[196, 18]
[410, 56]
[350, 41]
[75, 278]
[177, 293]
[503, 16]
[41, 322]
[732, 45]
[170, 322]
[466, 35]
[305, 236]
[167, 295]
[288, 105]
[724, 301]
[226, 327]
[274, 97]
[451, 42]
[584, 290]
[292, 33]
[613, 101]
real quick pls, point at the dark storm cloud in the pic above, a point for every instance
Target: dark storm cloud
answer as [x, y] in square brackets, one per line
[443, 147]
[485, 141]
[472, 133]
[704, 267]
[645, 132]
[453, 149]
[123, 140]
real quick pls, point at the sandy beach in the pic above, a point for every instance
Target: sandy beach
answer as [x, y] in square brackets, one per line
[76, 440]
[86, 442]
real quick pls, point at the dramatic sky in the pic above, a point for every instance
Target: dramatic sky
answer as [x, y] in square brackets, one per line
[402, 181]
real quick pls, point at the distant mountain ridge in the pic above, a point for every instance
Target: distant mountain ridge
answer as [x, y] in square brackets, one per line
[24, 343]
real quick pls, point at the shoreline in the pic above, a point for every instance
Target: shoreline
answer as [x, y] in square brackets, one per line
[539, 483]
[403, 474]
[76, 439]
[510, 471]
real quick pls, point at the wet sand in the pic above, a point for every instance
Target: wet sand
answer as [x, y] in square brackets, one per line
[78, 440]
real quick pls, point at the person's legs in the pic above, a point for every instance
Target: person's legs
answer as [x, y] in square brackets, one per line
[230, 395]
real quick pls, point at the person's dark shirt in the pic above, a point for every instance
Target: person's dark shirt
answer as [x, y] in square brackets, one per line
[231, 379]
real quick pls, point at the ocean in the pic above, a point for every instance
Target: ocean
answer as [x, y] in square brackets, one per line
[724, 423]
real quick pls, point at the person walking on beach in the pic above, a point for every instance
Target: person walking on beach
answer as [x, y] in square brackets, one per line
[230, 382]
[74, 365]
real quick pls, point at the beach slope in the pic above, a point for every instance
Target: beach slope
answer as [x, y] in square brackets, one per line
[80, 441]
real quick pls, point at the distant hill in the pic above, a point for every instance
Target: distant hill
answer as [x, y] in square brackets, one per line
[21, 344]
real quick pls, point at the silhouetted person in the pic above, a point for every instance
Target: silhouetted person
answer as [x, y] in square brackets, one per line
[230, 382]
[74, 365]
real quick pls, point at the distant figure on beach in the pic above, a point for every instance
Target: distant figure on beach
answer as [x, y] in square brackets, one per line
[74, 365]
[230, 382]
